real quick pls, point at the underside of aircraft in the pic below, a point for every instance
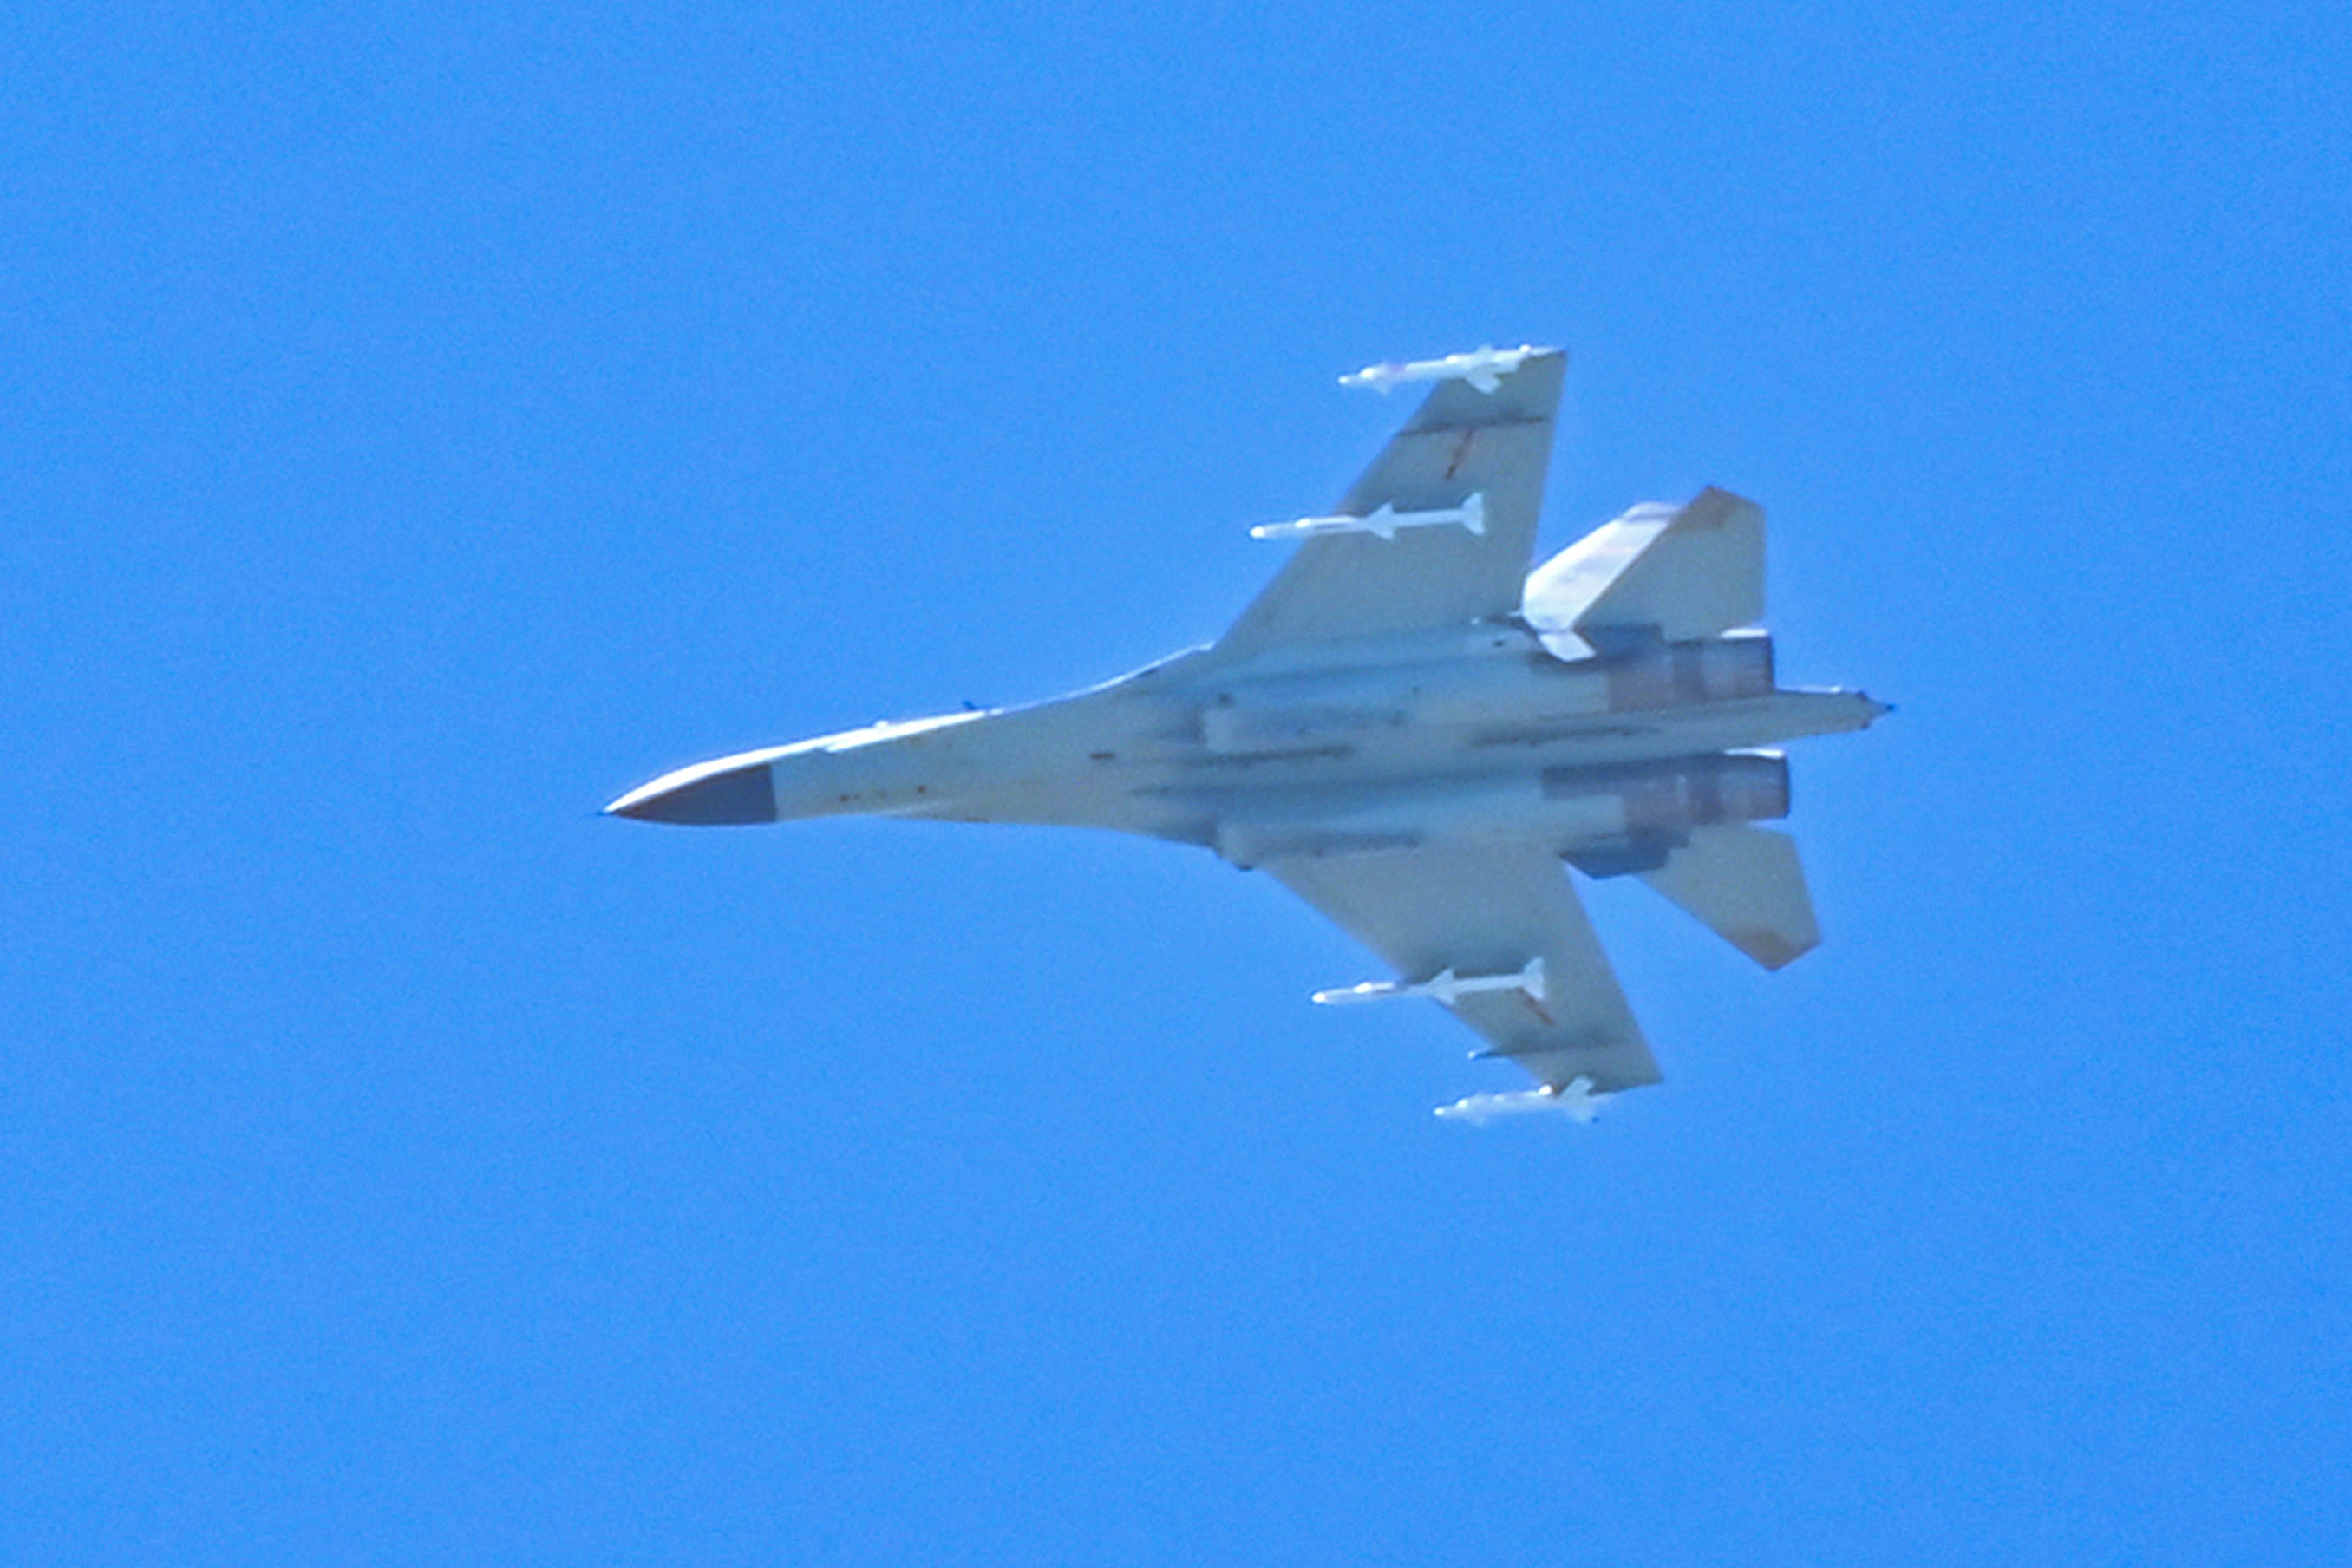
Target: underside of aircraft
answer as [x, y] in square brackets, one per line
[1419, 736]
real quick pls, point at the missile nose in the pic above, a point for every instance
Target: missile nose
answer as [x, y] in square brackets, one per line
[710, 794]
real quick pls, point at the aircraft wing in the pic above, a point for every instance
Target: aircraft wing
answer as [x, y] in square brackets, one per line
[1463, 442]
[1488, 911]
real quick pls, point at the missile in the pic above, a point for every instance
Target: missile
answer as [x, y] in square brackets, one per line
[1446, 986]
[1484, 369]
[1574, 1098]
[1385, 523]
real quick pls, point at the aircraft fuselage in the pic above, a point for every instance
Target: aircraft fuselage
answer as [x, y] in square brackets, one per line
[1474, 736]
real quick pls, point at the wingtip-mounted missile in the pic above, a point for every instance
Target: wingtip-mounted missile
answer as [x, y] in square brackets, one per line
[1573, 1099]
[1483, 368]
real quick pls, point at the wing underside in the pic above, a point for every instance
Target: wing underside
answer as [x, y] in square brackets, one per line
[1485, 912]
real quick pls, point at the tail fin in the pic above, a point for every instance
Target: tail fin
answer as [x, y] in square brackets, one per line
[1682, 572]
[1746, 886]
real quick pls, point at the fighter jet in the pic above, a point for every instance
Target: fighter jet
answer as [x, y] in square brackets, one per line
[1419, 737]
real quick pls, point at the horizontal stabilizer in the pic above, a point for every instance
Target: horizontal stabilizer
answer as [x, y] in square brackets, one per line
[1746, 885]
[1683, 573]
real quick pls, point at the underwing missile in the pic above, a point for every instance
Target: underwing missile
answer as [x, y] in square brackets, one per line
[1445, 986]
[1574, 1100]
[1482, 368]
[1385, 523]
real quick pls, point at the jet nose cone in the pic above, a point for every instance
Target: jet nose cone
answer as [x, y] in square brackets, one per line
[712, 794]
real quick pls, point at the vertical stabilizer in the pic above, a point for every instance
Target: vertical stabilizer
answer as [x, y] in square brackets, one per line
[1680, 574]
[1746, 885]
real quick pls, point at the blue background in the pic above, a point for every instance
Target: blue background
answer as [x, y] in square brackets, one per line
[419, 424]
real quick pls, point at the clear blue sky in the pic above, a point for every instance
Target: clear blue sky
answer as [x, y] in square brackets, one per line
[420, 423]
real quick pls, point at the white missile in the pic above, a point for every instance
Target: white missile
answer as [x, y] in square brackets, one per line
[1385, 523]
[1483, 368]
[1574, 1098]
[1445, 986]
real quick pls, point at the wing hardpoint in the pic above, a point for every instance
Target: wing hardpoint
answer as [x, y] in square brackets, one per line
[1462, 443]
[1490, 911]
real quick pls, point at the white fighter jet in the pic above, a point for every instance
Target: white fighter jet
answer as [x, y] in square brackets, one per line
[1419, 737]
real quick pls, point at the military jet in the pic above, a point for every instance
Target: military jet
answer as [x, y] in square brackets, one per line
[1418, 737]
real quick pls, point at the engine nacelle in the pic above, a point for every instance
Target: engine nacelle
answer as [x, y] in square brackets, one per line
[1658, 803]
[1683, 793]
[1625, 818]
[1628, 674]
[1647, 673]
